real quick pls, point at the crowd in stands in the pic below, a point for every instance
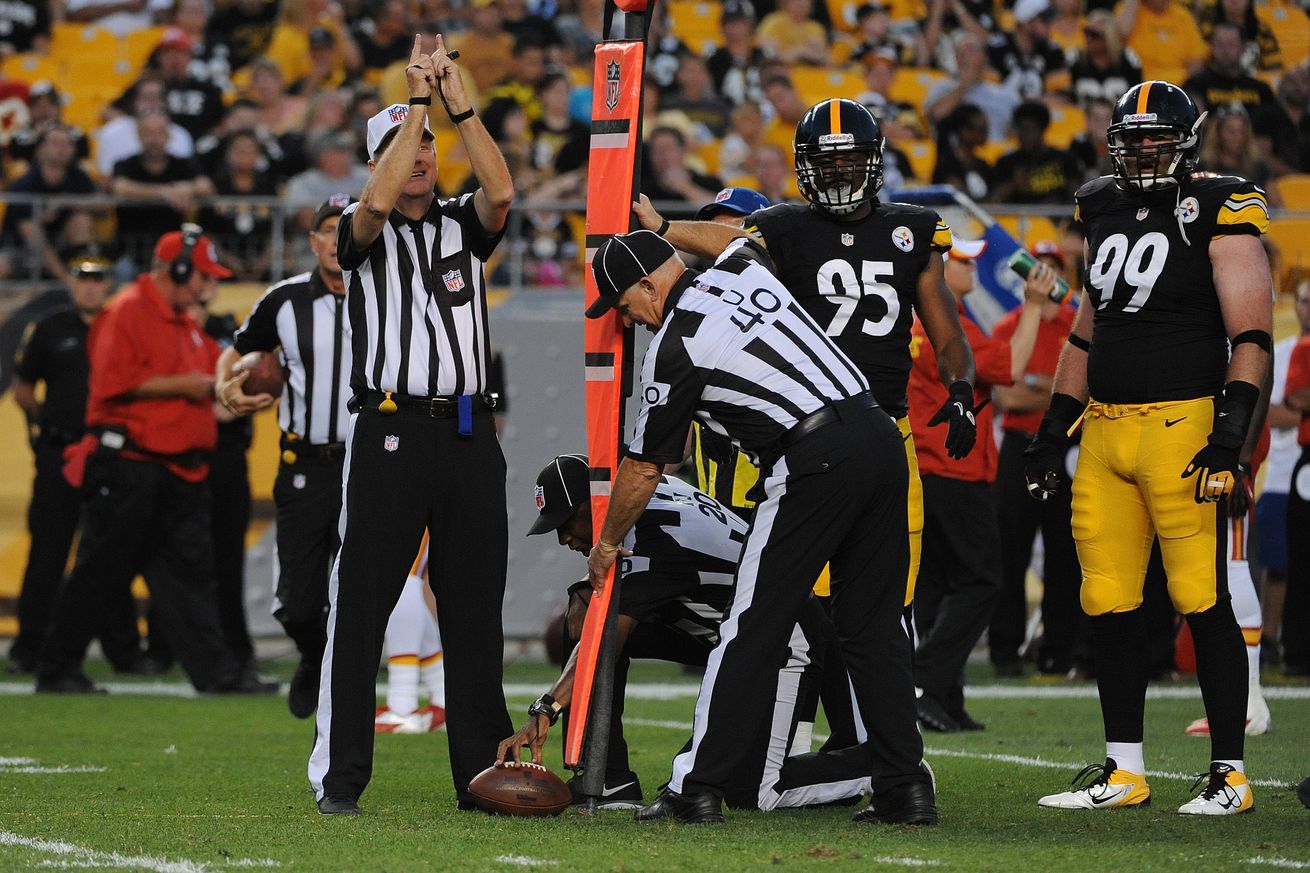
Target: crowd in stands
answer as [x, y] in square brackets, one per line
[174, 103]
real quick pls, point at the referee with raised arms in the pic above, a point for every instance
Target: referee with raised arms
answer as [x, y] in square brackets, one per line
[733, 349]
[422, 451]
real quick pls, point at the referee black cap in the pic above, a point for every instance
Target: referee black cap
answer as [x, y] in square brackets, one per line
[334, 205]
[622, 261]
[561, 487]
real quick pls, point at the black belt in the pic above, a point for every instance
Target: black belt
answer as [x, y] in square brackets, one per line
[433, 407]
[295, 450]
[824, 417]
[114, 440]
[60, 436]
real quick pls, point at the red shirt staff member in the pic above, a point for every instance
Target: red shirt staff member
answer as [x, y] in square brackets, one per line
[151, 425]
[1020, 517]
[1296, 607]
[959, 575]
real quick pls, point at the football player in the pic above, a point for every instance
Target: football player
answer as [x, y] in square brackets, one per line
[1177, 276]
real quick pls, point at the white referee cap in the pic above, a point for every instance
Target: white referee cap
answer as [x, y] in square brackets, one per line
[381, 126]
[622, 261]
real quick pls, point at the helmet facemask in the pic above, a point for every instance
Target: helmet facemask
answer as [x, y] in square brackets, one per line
[1158, 165]
[837, 176]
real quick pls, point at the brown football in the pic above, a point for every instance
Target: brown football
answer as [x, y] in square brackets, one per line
[266, 376]
[520, 789]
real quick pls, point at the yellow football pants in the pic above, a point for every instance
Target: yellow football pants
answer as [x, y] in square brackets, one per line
[1128, 488]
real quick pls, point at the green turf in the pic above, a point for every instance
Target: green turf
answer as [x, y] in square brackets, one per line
[208, 783]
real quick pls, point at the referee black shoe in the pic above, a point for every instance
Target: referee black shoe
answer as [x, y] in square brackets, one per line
[703, 808]
[913, 803]
[933, 716]
[68, 683]
[334, 805]
[302, 696]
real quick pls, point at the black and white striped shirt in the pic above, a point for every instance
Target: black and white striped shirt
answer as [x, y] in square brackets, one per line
[417, 301]
[738, 353]
[303, 317]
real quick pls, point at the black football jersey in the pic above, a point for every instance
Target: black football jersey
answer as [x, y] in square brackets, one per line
[858, 280]
[1157, 331]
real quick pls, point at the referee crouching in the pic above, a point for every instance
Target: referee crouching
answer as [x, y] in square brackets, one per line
[422, 450]
[733, 349]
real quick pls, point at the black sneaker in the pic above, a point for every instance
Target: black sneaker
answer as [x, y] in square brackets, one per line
[914, 803]
[332, 805]
[302, 696]
[621, 791]
[933, 716]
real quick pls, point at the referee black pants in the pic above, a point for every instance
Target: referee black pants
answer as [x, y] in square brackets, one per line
[307, 494]
[406, 472]
[958, 581]
[1019, 518]
[837, 496]
[1296, 608]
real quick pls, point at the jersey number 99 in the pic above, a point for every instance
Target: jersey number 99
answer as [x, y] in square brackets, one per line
[1140, 266]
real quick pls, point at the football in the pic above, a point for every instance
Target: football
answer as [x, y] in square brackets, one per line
[266, 376]
[520, 789]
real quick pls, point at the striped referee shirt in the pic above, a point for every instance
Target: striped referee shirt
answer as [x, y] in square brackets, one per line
[737, 352]
[417, 303]
[303, 317]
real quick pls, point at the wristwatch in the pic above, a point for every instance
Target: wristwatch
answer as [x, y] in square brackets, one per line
[547, 706]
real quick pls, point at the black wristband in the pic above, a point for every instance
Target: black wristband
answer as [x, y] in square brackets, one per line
[421, 101]
[1064, 410]
[1233, 414]
[463, 116]
[547, 706]
[663, 228]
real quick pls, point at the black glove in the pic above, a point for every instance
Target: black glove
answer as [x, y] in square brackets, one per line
[1239, 502]
[962, 430]
[1218, 468]
[1044, 467]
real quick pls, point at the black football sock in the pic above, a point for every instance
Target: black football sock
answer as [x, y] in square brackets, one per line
[1221, 670]
[1120, 653]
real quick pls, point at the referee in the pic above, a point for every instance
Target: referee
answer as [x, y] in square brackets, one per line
[305, 317]
[733, 348]
[422, 449]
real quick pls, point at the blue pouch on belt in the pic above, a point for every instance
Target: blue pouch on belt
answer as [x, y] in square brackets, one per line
[466, 414]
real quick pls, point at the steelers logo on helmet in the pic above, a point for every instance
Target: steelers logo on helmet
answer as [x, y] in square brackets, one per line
[1154, 137]
[838, 149]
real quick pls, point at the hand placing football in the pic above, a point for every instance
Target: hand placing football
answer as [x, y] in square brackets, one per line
[520, 789]
[266, 376]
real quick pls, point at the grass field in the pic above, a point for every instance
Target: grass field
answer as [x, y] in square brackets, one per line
[150, 782]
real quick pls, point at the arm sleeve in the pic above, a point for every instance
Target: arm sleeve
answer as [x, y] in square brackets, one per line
[259, 333]
[941, 235]
[476, 238]
[1244, 211]
[748, 249]
[670, 388]
[349, 255]
[29, 361]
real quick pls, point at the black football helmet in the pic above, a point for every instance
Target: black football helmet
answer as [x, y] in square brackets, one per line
[829, 132]
[1160, 111]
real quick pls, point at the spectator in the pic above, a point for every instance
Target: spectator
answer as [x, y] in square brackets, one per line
[383, 36]
[245, 27]
[45, 108]
[1165, 37]
[523, 79]
[663, 52]
[526, 26]
[1028, 63]
[211, 61]
[899, 121]
[241, 117]
[560, 142]
[25, 25]
[1035, 172]
[745, 135]
[196, 105]
[507, 124]
[117, 140]
[696, 98]
[325, 72]
[54, 170]
[335, 170]
[290, 46]
[487, 49]
[579, 32]
[1104, 69]
[1091, 147]
[954, 17]
[242, 231]
[1067, 27]
[735, 65]
[116, 15]
[153, 176]
[875, 21]
[1223, 82]
[1259, 44]
[788, 109]
[970, 86]
[959, 137]
[1284, 133]
[773, 175]
[668, 175]
[1230, 149]
[279, 112]
[792, 35]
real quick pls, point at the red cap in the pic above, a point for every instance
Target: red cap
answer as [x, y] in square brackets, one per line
[204, 256]
[176, 37]
[1048, 248]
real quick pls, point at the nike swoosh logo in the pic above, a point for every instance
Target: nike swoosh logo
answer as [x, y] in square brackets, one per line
[1168, 423]
[606, 792]
[1230, 799]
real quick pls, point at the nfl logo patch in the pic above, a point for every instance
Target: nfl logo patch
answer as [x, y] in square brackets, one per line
[612, 71]
[298, 482]
[848, 239]
[454, 281]
[391, 442]
[539, 497]
[397, 113]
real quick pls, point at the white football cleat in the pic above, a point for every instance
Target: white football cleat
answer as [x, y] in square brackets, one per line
[1258, 719]
[1226, 793]
[1113, 789]
[437, 716]
[388, 722]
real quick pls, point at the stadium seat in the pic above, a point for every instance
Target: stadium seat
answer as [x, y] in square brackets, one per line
[907, 10]
[696, 23]
[842, 14]
[1029, 229]
[1295, 188]
[912, 85]
[815, 84]
[1290, 25]
[923, 158]
[1291, 239]
[992, 150]
[1066, 123]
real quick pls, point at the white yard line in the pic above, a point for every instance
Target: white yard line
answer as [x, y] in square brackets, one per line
[73, 856]
[1278, 862]
[905, 862]
[525, 861]
[31, 766]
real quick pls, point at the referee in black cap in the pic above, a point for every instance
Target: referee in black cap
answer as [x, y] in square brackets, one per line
[422, 449]
[733, 349]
